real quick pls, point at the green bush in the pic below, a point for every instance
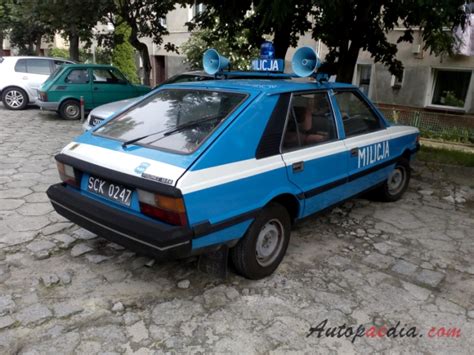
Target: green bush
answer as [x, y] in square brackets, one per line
[123, 53]
[59, 53]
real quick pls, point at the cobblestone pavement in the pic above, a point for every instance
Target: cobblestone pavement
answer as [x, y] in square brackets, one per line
[64, 290]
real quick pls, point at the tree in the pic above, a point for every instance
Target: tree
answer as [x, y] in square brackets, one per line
[4, 22]
[76, 19]
[26, 25]
[345, 26]
[240, 54]
[123, 53]
[285, 20]
[143, 18]
[349, 26]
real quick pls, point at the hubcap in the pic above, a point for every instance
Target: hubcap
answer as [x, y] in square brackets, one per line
[72, 111]
[396, 180]
[14, 98]
[269, 242]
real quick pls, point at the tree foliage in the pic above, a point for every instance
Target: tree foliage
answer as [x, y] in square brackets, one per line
[123, 54]
[285, 20]
[75, 19]
[27, 25]
[240, 53]
[143, 18]
[349, 26]
[345, 26]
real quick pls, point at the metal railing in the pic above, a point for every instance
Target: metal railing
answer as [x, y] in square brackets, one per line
[457, 128]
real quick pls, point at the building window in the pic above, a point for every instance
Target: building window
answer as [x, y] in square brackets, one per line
[198, 8]
[397, 83]
[364, 72]
[451, 87]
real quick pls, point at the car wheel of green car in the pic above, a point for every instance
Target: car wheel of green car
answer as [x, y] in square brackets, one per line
[70, 110]
[263, 247]
[15, 98]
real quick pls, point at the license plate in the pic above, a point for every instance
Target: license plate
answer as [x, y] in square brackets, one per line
[95, 121]
[110, 191]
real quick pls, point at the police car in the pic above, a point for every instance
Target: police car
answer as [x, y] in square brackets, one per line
[231, 164]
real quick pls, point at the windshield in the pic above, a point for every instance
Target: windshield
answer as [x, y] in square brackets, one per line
[173, 119]
[55, 73]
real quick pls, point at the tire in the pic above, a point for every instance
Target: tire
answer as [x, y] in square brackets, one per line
[14, 98]
[396, 184]
[263, 247]
[70, 110]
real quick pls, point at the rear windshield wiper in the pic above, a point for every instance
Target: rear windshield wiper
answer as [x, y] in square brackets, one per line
[190, 125]
[168, 132]
[131, 141]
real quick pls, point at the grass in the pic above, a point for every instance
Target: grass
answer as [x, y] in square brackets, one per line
[445, 156]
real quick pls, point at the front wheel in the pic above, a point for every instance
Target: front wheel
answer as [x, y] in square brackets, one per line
[70, 110]
[261, 250]
[397, 182]
[15, 98]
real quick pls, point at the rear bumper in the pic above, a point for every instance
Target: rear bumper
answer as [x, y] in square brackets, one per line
[48, 106]
[146, 237]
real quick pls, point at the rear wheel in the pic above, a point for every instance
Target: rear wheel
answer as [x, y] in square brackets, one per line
[261, 250]
[70, 110]
[14, 98]
[397, 182]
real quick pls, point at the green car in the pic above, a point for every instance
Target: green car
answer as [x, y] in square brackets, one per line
[97, 84]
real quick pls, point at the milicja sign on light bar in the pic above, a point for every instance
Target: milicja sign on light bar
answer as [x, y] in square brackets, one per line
[268, 65]
[267, 61]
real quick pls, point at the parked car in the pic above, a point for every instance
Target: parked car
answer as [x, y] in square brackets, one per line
[20, 78]
[233, 164]
[100, 113]
[97, 84]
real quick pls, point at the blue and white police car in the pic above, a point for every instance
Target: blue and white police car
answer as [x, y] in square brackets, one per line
[194, 167]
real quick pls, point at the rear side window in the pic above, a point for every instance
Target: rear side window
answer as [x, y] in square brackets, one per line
[310, 121]
[77, 76]
[107, 76]
[38, 66]
[176, 120]
[20, 66]
[357, 116]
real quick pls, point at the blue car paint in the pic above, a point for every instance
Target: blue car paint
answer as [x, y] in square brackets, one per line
[248, 122]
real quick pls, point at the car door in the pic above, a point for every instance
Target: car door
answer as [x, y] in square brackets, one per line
[76, 84]
[367, 141]
[38, 71]
[110, 85]
[314, 154]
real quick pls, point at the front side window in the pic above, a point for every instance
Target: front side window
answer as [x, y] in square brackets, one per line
[38, 66]
[77, 76]
[451, 87]
[310, 121]
[107, 76]
[357, 116]
[176, 120]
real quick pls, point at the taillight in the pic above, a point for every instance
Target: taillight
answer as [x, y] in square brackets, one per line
[43, 96]
[67, 174]
[168, 209]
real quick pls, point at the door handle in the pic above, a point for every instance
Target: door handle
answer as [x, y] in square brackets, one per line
[355, 152]
[96, 88]
[298, 167]
[25, 78]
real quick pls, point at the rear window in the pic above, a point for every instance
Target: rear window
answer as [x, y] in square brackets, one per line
[173, 119]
